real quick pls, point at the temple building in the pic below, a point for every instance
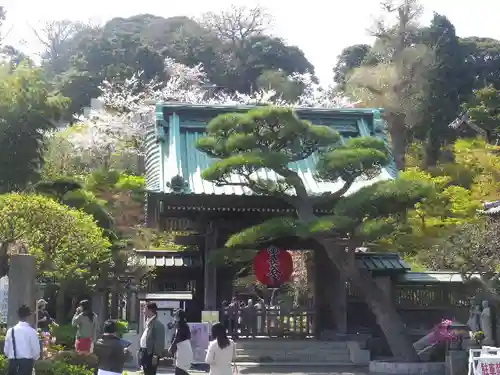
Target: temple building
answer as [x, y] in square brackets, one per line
[204, 215]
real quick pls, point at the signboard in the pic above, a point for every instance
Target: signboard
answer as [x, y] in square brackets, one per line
[200, 333]
[168, 304]
[210, 317]
[4, 299]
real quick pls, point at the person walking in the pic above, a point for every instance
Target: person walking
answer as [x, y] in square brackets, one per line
[85, 321]
[110, 351]
[181, 345]
[221, 352]
[22, 345]
[44, 320]
[152, 342]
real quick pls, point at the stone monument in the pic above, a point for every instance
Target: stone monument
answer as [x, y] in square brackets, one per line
[474, 321]
[22, 286]
[487, 325]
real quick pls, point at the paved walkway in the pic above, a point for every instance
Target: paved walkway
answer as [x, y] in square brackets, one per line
[282, 370]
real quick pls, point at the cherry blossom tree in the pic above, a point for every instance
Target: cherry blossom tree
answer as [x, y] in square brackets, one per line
[124, 113]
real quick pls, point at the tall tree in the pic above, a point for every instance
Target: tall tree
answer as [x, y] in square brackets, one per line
[442, 90]
[393, 80]
[272, 138]
[27, 112]
[237, 24]
[350, 58]
[482, 56]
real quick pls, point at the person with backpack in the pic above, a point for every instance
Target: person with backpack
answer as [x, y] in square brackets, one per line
[111, 350]
[22, 345]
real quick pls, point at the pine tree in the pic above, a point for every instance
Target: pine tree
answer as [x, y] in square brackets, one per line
[272, 138]
[441, 97]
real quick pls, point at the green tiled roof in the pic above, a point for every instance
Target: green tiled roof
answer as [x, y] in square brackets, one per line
[171, 147]
[382, 262]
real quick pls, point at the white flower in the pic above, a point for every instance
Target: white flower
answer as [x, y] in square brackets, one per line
[128, 112]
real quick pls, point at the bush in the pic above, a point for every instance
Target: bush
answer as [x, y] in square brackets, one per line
[65, 335]
[122, 327]
[50, 367]
[68, 357]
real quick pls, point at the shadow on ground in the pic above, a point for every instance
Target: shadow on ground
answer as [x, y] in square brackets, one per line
[299, 370]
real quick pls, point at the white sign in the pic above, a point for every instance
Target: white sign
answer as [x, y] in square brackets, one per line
[168, 304]
[4, 299]
[200, 338]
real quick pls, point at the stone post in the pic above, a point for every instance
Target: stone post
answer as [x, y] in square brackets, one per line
[209, 270]
[22, 286]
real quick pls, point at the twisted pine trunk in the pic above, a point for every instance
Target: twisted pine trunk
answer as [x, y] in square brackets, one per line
[377, 299]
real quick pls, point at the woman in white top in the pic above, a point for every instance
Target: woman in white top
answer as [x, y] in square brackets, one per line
[221, 352]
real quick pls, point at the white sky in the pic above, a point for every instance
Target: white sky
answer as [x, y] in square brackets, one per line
[321, 28]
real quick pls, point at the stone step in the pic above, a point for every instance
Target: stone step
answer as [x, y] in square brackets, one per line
[343, 351]
[294, 356]
[292, 351]
[273, 344]
[293, 359]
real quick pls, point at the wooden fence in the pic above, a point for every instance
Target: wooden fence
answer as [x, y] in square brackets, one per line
[268, 322]
[420, 306]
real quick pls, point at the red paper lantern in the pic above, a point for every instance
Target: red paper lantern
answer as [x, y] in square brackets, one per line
[273, 266]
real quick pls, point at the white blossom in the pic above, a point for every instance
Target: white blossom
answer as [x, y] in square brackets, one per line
[128, 112]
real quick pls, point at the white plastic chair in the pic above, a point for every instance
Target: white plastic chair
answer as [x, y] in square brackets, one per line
[474, 355]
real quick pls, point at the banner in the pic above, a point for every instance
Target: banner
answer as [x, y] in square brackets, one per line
[4, 299]
[211, 317]
[200, 337]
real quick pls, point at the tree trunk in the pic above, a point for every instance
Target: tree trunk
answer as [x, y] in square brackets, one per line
[379, 302]
[397, 131]
[61, 315]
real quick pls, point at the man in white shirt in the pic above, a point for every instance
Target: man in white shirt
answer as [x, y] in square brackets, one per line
[22, 345]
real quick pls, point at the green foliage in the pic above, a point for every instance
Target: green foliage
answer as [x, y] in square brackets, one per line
[443, 90]
[27, 110]
[147, 238]
[66, 242]
[445, 207]
[57, 188]
[349, 59]
[478, 163]
[48, 367]
[72, 194]
[100, 180]
[65, 335]
[122, 327]
[69, 360]
[484, 111]
[278, 81]
[132, 183]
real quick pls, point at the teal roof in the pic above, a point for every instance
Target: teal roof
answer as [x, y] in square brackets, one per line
[171, 147]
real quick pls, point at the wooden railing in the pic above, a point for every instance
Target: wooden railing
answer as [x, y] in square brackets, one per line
[268, 322]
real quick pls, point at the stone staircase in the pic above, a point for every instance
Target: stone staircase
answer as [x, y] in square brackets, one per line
[294, 351]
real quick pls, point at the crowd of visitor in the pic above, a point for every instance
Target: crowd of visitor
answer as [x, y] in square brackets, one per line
[22, 343]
